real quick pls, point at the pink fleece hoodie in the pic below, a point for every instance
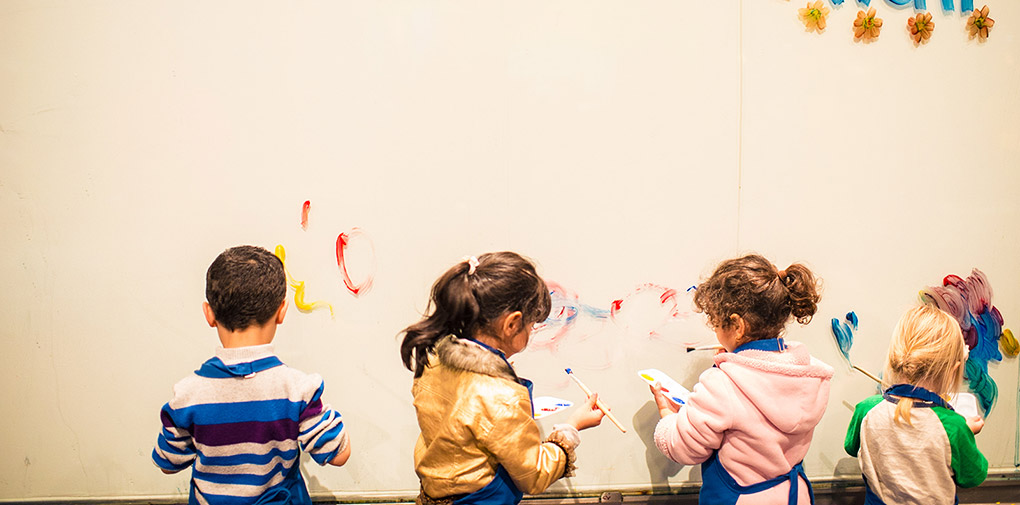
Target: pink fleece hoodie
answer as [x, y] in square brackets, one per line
[759, 410]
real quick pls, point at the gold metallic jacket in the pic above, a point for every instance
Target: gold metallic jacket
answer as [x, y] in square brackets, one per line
[473, 417]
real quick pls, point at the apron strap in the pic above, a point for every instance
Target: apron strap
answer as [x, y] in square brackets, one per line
[713, 470]
[793, 477]
[768, 344]
[929, 398]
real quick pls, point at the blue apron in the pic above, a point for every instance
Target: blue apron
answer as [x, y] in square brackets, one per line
[718, 487]
[502, 490]
[292, 491]
[923, 399]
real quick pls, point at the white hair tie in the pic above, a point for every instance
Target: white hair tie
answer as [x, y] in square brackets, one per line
[472, 263]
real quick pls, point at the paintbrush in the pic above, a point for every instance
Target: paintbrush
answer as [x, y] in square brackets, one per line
[865, 372]
[598, 403]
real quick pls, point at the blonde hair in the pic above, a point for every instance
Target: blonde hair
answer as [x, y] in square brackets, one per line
[927, 350]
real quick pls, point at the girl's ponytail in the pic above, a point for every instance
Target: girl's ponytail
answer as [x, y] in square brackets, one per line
[926, 350]
[471, 295]
[803, 289]
[903, 410]
[765, 298]
[454, 311]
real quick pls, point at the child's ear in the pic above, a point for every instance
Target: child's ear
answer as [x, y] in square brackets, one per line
[209, 316]
[739, 326]
[281, 312]
[512, 324]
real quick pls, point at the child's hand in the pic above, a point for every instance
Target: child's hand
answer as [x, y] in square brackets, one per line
[588, 415]
[975, 424]
[666, 407]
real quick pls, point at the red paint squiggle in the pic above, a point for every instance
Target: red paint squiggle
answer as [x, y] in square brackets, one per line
[667, 299]
[304, 214]
[342, 241]
[667, 295]
[615, 307]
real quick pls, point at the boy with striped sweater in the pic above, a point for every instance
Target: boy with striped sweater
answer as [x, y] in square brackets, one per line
[242, 418]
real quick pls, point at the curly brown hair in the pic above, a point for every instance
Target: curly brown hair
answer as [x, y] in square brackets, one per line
[752, 288]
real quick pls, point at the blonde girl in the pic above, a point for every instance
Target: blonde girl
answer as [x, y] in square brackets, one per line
[479, 442]
[912, 447]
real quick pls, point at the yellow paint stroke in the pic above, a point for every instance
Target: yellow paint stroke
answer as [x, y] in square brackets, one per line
[299, 287]
[1009, 343]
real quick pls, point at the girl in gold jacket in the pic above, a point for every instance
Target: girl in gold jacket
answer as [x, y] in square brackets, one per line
[479, 442]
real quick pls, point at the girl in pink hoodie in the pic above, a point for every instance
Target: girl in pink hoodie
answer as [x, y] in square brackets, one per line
[750, 418]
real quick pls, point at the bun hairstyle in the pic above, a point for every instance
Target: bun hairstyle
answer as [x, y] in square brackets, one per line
[765, 298]
[926, 346]
[472, 295]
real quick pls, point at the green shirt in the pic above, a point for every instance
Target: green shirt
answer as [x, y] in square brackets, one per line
[917, 463]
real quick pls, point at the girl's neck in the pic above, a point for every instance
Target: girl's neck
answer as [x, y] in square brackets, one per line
[744, 341]
[492, 342]
[923, 384]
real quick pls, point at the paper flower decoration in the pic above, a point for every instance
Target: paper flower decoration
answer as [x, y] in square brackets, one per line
[867, 26]
[813, 15]
[920, 27]
[979, 23]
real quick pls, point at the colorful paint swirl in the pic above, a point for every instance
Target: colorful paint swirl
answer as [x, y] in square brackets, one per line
[970, 302]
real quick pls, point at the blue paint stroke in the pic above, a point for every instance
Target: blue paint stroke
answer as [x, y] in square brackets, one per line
[565, 311]
[844, 337]
[918, 4]
[851, 318]
[988, 333]
[965, 5]
[595, 312]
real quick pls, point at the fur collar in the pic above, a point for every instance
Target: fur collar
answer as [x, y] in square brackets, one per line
[464, 354]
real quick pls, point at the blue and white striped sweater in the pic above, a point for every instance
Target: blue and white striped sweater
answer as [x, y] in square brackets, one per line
[242, 427]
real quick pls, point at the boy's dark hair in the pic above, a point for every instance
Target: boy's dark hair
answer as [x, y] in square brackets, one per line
[752, 288]
[245, 285]
[463, 302]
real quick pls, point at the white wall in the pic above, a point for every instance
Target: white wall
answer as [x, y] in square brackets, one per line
[885, 166]
[615, 144]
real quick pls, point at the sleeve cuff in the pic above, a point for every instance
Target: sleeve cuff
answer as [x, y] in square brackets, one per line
[661, 435]
[566, 437]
